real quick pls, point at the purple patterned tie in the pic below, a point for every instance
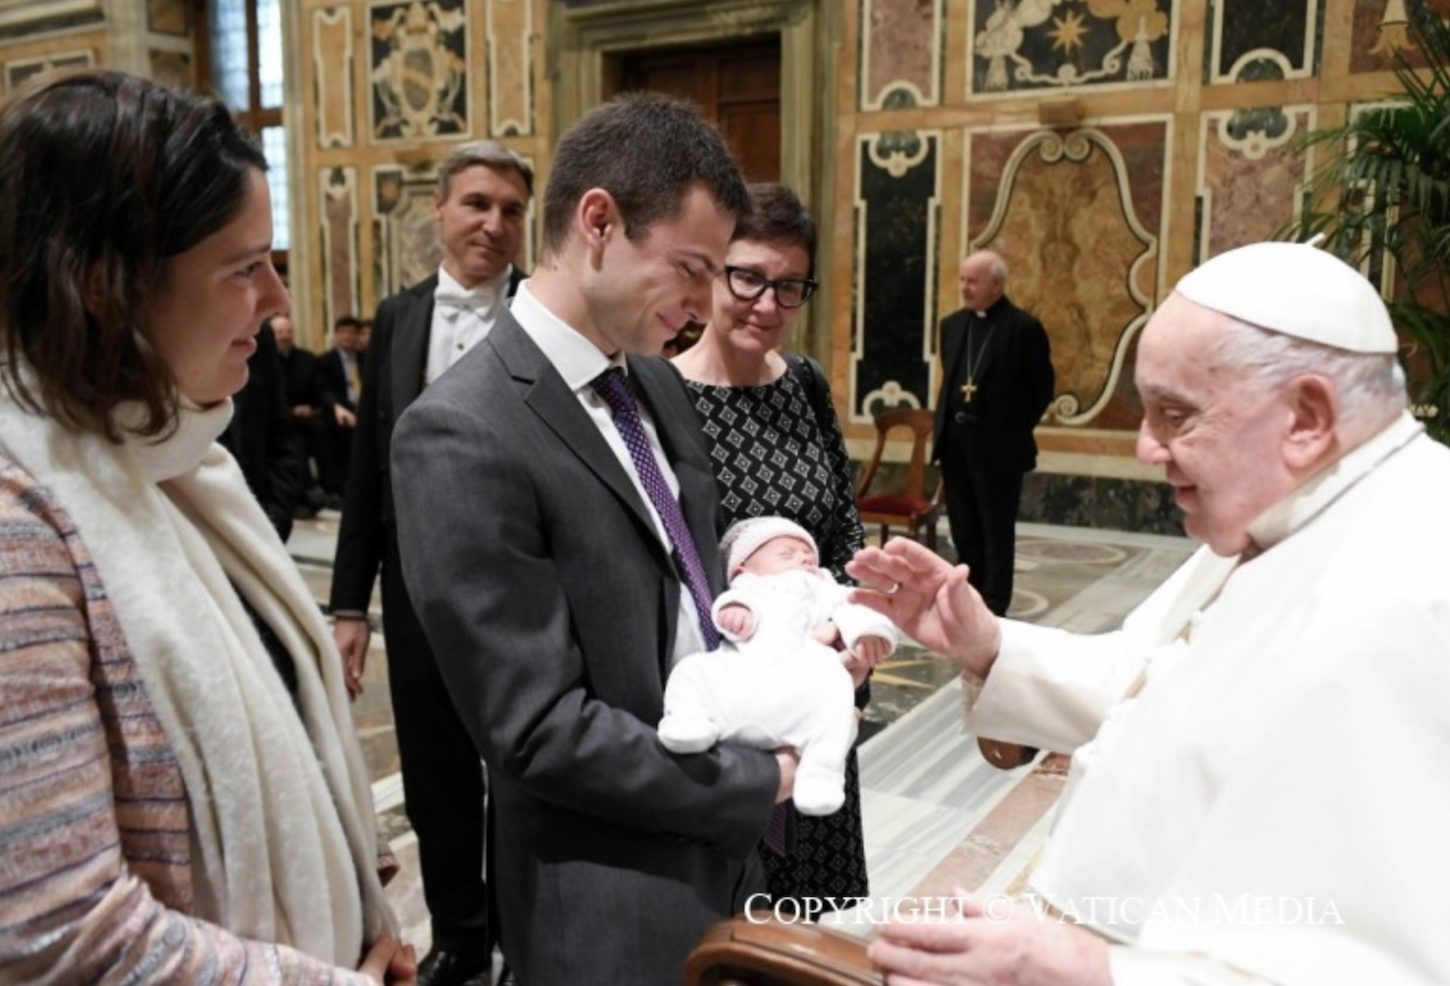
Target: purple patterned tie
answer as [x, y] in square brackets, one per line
[614, 391]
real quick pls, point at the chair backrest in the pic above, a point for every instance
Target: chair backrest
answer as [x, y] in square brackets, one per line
[920, 423]
[763, 952]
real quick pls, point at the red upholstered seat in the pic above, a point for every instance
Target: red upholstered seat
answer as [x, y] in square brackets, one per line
[909, 507]
[893, 503]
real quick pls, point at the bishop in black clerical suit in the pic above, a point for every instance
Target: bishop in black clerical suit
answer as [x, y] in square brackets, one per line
[997, 380]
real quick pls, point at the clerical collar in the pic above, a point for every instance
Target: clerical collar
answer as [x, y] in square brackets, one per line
[984, 312]
[1311, 499]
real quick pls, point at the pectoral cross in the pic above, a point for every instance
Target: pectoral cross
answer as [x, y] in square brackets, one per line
[968, 389]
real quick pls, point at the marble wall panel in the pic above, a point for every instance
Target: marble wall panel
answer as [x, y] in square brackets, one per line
[894, 271]
[1251, 40]
[341, 289]
[510, 68]
[1250, 175]
[418, 66]
[332, 55]
[405, 227]
[31, 19]
[1041, 45]
[1100, 502]
[900, 53]
[171, 68]
[1380, 32]
[1078, 217]
[21, 69]
[169, 17]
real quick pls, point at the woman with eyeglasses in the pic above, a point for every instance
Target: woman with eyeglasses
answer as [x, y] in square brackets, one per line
[777, 450]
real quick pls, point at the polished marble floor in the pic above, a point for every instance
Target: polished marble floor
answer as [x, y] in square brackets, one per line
[927, 794]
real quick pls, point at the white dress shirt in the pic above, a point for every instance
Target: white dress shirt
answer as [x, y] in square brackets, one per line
[462, 317]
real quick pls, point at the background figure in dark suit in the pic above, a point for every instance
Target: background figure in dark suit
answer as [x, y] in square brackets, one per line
[481, 200]
[559, 543]
[299, 377]
[996, 382]
[339, 379]
[262, 439]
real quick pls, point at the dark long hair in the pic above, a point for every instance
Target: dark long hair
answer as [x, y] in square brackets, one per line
[103, 178]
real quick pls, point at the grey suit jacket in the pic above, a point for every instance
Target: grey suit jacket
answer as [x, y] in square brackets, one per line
[551, 605]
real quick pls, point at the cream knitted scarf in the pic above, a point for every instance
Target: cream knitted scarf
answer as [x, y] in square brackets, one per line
[284, 840]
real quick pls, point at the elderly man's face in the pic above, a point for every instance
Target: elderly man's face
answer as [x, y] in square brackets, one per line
[1219, 437]
[980, 289]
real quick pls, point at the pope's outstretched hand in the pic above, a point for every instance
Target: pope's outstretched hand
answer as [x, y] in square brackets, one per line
[929, 600]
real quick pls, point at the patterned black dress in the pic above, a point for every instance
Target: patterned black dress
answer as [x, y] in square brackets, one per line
[773, 454]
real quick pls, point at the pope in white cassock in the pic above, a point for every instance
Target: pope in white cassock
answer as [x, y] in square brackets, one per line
[1259, 790]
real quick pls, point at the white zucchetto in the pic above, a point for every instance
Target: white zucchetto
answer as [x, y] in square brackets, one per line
[1297, 289]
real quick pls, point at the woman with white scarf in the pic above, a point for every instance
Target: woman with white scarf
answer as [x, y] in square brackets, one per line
[182, 796]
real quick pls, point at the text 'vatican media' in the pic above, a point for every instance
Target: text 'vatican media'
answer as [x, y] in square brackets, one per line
[1211, 909]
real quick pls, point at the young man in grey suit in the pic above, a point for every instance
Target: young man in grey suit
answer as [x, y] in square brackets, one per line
[557, 520]
[481, 201]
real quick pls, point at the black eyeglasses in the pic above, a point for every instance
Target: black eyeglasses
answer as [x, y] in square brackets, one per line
[749, 285]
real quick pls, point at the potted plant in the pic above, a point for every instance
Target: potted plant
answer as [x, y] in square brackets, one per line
[1386, 194]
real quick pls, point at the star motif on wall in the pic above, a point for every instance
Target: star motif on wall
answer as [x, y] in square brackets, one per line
[1067, 32]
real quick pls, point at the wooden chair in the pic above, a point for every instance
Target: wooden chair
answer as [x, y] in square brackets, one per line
[765, 952]
[910, 507]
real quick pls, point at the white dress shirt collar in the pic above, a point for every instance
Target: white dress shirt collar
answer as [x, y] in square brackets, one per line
[577, 359]
[451, 297]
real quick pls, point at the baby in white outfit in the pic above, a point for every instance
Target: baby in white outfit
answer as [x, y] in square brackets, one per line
[776, 680]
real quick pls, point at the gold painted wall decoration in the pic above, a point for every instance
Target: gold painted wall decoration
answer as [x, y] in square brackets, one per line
[1033, 45]
[1065, 219]
[419, 70]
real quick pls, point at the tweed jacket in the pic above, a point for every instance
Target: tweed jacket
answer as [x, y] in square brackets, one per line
[95, 829]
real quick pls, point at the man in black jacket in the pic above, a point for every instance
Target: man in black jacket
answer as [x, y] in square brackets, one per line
[996, 381]
[482, 200]
[339, 380]
[299, 374]
[262, 439]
